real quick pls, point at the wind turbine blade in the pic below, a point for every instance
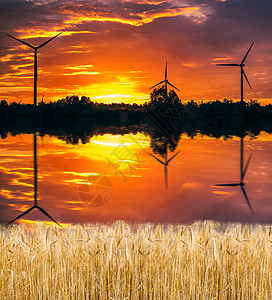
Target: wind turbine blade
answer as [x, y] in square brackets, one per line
[228, 184]
[21, 215]
[246, 78]
[157, 158]
[165, 71]
[229, 65]
[244, 59]
[245, 170]
[25, 43]
[43, 44]
[173, 86]
[247, 200]
[157, 84]
[168, 161]
[45, 213]
[166, 177]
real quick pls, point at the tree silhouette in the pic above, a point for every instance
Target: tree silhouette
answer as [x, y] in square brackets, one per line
[158, 96]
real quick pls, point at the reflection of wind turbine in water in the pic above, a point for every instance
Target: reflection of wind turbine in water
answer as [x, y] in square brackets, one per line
[165, 163]
[243, 171]
[35, 60]
[163, 119]
[243, 74]
[35, 188]
[165, 81]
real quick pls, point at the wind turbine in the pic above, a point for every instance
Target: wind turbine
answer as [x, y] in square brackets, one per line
[243, 171]
[243, 74]
[35, 60]
[166, 82]
[35, 188]
[165, 163]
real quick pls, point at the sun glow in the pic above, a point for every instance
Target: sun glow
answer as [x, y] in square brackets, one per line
[114, 92]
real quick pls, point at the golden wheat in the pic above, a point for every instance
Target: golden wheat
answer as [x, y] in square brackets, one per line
[119, 261]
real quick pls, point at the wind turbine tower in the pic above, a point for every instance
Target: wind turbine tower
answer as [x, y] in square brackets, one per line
[166, 82]
[35, 60]
[243, 170]
[243, 74]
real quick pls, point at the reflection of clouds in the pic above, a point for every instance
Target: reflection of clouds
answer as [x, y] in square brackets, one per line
[17, 178]
[41, 223]
[17, 182]
[192, 194]
[77, 181]
[81, 174]
[192, 185]
[7, 194]
[13, 152]
[22, 208]
[223, 193]
[74, 202]
[16, 195]
[76, 208]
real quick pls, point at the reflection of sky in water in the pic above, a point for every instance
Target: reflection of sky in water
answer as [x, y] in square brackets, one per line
[139, 194]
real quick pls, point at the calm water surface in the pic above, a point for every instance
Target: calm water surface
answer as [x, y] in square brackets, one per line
[115, 177]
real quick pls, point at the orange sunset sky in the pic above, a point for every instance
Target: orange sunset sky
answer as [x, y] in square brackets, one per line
[113, 51]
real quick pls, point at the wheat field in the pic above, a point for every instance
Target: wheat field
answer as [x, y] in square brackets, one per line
[120, 261]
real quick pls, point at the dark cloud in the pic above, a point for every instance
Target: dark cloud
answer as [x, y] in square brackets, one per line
[21, 13]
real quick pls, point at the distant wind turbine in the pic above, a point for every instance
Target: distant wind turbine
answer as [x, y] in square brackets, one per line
[166, 82]
[242, 175]
[165, 163]
[35, 60]
[243, 74]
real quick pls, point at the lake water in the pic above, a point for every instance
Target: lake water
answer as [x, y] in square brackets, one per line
[116, 177]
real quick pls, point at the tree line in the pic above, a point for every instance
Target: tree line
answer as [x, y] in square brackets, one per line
[77, 118]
